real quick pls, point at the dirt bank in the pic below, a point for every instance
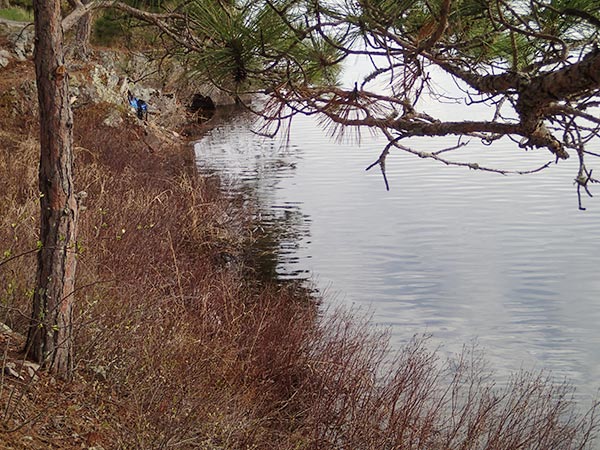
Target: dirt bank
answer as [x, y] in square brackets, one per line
[174, 341]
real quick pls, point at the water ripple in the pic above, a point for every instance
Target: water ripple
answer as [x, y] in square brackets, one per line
[506, 260]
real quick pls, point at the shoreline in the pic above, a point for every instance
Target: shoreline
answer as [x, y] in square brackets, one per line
[175, 346]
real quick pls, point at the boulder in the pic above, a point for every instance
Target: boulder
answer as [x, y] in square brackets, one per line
[22, 43]
[4, 58]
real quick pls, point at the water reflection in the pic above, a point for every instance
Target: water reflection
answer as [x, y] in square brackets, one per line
[254, 166]
[506, 260]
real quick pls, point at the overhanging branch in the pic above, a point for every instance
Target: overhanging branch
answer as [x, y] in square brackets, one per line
[166, 22]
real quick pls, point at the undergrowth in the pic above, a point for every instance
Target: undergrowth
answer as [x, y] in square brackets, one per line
[17, 14]
[179, 347]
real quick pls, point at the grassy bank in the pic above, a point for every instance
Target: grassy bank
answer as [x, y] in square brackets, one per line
[16, 14]
[179, 346]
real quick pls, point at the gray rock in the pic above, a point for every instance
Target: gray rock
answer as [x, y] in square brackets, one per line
[105, 83]
[32, 371]
[4, 58]
[9, 369]
[22, 43]
[144, 93]
[32, 368]
[114, 119]
[100, 372]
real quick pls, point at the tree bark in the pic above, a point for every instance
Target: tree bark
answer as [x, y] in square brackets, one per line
[50, 335]
[83, 33]
[80, 48]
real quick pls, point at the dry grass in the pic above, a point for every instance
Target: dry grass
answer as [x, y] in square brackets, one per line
[178, 347]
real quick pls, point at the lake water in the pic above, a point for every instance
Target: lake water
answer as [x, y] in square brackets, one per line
[507, 260]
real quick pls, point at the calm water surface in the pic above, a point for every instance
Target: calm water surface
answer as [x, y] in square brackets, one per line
[463, 255]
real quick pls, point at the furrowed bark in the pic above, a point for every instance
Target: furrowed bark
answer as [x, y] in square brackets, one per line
[50, 334]
[545, 90]
[81, 46]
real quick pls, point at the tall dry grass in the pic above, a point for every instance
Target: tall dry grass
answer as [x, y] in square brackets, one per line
[179, 347]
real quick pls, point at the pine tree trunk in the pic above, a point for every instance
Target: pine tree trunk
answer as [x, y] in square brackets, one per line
[79, 49]
[50, 335]
[82, 35]
[81, 46]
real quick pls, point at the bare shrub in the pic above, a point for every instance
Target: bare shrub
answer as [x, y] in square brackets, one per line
[19, 210]
[355, 396]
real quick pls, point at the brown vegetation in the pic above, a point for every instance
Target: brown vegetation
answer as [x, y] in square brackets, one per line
[179, 347]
